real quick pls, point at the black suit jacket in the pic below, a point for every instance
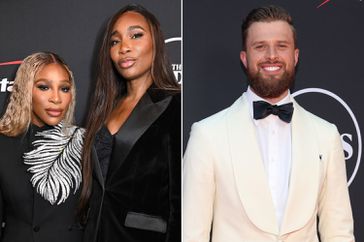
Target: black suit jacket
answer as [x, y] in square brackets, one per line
[142, 187]
[25, 215]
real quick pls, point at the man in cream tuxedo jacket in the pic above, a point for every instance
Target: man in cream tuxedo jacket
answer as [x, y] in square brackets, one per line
[265, 169]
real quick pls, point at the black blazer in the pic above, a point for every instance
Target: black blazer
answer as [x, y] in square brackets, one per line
[24, 214]
[140, 198]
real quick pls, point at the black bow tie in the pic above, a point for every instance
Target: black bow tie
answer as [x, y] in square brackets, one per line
[263, 109]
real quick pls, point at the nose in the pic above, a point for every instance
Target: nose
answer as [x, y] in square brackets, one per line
[55, 97]
[125, 46]
[271, 53]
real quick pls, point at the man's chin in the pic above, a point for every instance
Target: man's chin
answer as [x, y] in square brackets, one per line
[269, 87]
[269, 91]
[270, 78]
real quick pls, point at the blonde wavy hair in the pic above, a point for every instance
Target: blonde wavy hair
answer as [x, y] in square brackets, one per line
[18, 114]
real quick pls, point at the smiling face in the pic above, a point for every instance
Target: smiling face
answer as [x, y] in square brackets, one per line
[51, 95]
[270, 58]
[131, 47]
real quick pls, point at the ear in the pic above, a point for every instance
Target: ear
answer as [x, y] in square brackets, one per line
[296, 54]
[243, 58]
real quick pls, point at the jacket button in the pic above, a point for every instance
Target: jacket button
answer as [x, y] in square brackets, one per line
[36, 228]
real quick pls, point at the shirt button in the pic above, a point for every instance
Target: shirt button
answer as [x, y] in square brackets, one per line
[36, 228]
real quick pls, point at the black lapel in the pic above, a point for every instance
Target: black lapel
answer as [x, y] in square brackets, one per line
[97, 168]
[141, 118]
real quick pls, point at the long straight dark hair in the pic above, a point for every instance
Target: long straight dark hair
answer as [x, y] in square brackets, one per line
[110, 86]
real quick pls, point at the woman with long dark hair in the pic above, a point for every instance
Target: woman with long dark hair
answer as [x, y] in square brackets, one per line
[40, 163]
[131, 162]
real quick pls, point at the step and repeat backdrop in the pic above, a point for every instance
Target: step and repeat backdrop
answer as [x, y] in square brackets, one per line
[72, 29]
[329, 81]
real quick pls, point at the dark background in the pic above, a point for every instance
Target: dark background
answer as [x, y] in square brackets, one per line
[330, 39]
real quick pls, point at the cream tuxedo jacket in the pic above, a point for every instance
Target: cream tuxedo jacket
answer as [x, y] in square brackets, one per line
[226, 189]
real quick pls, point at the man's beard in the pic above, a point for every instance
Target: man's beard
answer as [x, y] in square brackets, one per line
[272, 86]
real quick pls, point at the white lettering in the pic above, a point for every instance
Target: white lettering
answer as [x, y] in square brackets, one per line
[348, 149]
[177, 70]
[6, 85]
[3, 84]
[10, 86]
[177, 67]
[178, 76]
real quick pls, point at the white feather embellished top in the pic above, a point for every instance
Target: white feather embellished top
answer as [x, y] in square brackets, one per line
[55, 162]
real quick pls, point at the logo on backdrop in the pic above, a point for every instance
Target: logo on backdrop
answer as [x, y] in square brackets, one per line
[347, 123]
[326, 1]
[173, 46]
[323, 3]
[6, 85]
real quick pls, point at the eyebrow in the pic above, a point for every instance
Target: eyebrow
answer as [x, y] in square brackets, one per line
[284, 41]
[263, 41]
[47, 80]
[130, 28]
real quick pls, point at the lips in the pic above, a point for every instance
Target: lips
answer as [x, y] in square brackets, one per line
[54, 112]
[126, 62]
[271, 68]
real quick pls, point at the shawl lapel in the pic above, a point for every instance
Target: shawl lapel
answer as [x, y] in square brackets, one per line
[251, 179]
[249, 173]
[305, 173]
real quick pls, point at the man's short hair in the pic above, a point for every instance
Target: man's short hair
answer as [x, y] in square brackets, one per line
[266, 14]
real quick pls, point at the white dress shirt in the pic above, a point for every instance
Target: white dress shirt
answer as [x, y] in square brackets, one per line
[274, 137]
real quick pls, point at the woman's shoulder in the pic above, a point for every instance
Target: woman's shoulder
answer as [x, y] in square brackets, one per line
[5, 139]
[158, 94]
[177, 97]
[10, 149]
[175, 100]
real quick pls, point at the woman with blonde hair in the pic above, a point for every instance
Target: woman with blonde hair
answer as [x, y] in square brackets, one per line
[40, 171]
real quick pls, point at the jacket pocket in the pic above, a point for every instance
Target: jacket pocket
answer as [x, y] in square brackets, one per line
[145, 222]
